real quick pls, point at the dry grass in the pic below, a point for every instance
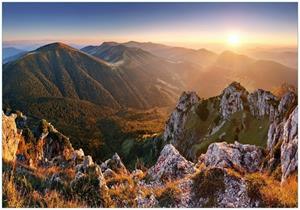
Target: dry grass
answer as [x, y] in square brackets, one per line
[286, 195]
[53, 200]
[14, 197]
[122, 190]
[272, 192]
[11, 196]
[169, 195]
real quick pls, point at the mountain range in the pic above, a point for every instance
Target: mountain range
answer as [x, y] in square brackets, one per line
[112, 87]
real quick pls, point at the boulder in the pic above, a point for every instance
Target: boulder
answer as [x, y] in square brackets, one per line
[170, 165]
[242, 157]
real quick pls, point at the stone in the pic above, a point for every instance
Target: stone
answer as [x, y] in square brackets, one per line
[170, 165]
[10, 137]
[262, 103]
[232, 99]
[242, 157]
[175, 124]
[289, 147]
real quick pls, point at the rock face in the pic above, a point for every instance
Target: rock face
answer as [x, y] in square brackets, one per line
[262, 103]
[170, 165]
[10, 137]
[289, 147]
[286, 102]
[175, 124]
[283, 137]
[232, 99]
[241, 157]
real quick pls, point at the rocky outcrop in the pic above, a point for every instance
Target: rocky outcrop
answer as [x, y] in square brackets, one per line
[175, 125]
[232, 99]
[114, 164]
[281, 147]
[242, 157]
[289, 147]
[10, 137]
[170, 165]
[52, 143]
[262, 103]
[216, 187]
[287, 101]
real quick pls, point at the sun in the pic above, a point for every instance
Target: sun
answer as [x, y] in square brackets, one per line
[233, 40]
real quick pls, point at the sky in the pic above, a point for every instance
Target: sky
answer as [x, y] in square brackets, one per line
[182, 24]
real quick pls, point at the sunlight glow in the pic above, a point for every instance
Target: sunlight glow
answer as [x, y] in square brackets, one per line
[233, 40]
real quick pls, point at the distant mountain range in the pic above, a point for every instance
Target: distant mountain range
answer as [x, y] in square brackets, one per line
[11, 53]
[134, 74]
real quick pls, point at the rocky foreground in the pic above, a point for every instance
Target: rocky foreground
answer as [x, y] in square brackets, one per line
[42, 169]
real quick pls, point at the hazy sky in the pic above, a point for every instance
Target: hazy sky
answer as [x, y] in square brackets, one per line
[185, 24]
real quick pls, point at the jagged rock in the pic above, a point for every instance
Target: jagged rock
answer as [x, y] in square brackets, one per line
[289, 147]
[286, 102]
[275, 132]
[10, 137]
[170, 165]
[242, 157]
[115, 164]
[175, 125]
[52, 144]
[262, 103]
[232, 99]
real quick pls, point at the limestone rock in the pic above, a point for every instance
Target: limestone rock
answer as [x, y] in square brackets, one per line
[170, 165]
[242, 157]
[289, 147]
[175, 125]
[262, 103]
[286, 102]
[232, 99]
[10, 137]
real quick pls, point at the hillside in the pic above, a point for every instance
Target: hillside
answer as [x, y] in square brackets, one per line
[43, 163]
[204, 65]
[57, 70]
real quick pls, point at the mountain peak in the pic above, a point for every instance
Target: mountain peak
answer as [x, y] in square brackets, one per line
[236, 85]
[55, 46]
[110, 43]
